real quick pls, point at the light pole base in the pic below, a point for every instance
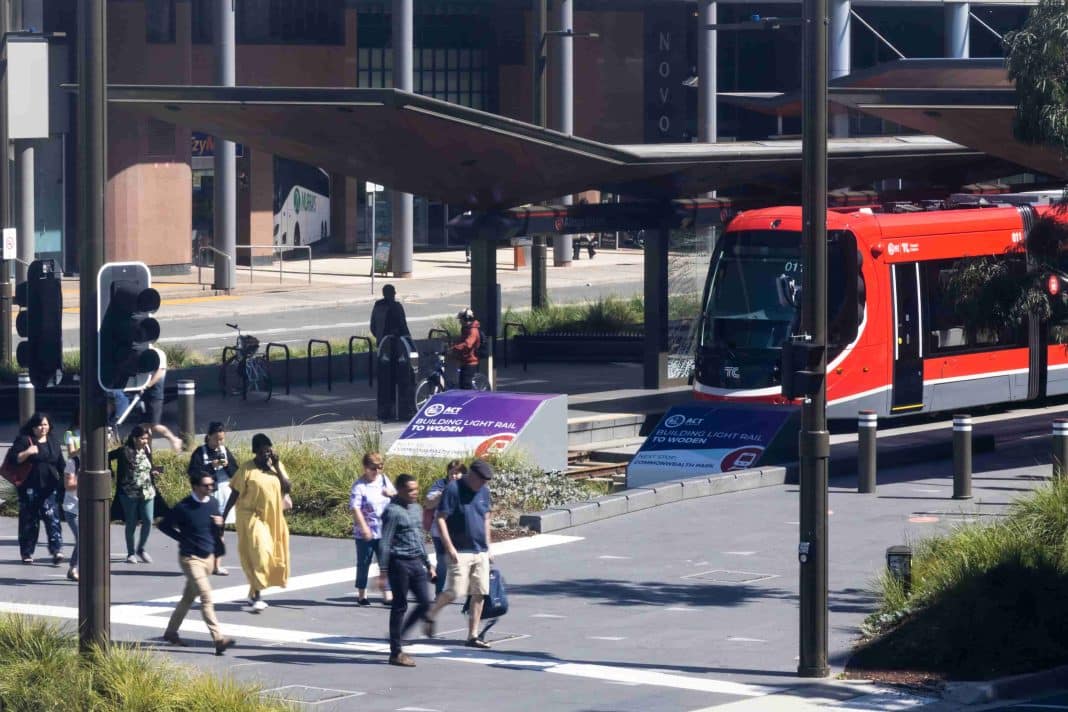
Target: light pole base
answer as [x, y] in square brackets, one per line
[823, 671]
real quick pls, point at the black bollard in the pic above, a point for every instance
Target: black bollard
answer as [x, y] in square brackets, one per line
[187, 429]
[1060, 447]
[962, 457]
[27, 397]
[867, 425]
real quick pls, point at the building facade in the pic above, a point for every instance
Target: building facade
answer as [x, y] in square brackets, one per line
[633, 83]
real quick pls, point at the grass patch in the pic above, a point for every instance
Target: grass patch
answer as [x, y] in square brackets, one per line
[986, 599]
[41, 669]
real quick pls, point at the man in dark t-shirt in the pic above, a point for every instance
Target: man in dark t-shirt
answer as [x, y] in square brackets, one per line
[463, 519]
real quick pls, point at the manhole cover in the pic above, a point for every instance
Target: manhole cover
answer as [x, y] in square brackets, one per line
[725, 576]
[308, 695]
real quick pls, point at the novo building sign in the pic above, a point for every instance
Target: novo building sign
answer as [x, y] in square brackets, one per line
[665, 70]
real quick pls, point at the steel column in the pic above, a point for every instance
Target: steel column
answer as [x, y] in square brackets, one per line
[706, 72]
[225, 161]
[402, 204]
[654, 361]
[563, 83]
[840, 60]
[7, 292]
[958, 30]
[814, 439]
[94, 484]
[24, 166]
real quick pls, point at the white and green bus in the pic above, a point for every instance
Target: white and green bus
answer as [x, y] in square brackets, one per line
[301, 203]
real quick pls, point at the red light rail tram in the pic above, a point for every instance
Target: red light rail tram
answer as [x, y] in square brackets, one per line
[895, 342]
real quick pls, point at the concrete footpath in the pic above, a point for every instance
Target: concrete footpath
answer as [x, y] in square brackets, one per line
[688, 605]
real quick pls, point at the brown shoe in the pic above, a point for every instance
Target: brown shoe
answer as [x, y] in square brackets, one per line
[222, 644]
[173, 639]
[401, 659]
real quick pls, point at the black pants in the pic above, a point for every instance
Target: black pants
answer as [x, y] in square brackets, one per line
[406, 575]
[467, 377]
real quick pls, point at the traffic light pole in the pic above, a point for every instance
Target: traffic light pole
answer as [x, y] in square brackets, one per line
[7, 343]
[814, 439]
[94, 484]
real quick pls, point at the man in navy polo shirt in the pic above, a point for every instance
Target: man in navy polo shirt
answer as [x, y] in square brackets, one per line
[463, 518]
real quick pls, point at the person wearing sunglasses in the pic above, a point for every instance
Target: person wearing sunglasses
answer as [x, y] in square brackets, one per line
[194, 523]
[368, 499]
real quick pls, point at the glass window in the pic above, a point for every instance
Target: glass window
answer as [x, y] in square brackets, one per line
[310, 22]
[159, 21]
[956, 312]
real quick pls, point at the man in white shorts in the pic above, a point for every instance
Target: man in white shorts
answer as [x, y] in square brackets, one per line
[463, 519]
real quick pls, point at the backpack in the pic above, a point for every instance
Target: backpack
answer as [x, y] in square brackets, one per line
[482, 350]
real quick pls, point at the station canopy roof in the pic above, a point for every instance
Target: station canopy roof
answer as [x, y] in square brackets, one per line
[970, 102]
[484, 161]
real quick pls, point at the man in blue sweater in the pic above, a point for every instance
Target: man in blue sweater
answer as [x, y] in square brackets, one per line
[404, 563]
[191, 523]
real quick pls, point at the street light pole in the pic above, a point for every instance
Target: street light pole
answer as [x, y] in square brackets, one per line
[814, 439]
[7, 292]
[539, 292]
[94, 483]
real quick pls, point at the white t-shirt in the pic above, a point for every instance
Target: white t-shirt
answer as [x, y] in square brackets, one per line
[70, 497]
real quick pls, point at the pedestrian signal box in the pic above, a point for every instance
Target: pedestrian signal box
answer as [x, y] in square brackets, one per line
[125, 326]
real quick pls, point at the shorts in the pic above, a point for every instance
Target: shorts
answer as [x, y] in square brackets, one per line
[469, 575]
[153, 400]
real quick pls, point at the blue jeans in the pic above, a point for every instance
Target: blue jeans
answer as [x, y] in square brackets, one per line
[441, 568]
[72, 522]
[365, 551]
[36, 506]
[134, 511]
[121, 402]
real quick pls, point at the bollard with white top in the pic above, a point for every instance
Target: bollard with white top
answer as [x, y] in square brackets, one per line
[867, 425]
[1060, 447]
[27, 397]
[962, 457]
[187, 410]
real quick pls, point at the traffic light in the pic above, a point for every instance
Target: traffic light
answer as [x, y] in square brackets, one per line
[40, 322]
[125, 329]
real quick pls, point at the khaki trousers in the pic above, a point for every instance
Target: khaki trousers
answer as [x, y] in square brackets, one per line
[197, 572]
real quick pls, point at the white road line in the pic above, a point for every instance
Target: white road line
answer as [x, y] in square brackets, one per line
[739, 639]
[610, 638]
[605, 673]
[739, 553]
[613, 558]
[868, 698]
[546, 615]
[330, 578]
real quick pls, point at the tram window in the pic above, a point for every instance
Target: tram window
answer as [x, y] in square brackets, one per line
[946, 330]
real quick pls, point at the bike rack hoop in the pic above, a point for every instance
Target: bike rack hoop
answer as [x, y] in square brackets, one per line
[520, 328]
[329, 365]
[370, 359]
[430, 334]
[285, 349]
[225, 363]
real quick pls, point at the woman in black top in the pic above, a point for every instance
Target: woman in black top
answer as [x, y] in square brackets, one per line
[37, 495]
[215, 459]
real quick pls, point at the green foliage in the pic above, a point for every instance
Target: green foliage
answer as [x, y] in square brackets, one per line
[1037, 60]
[321, 481]
[986, 599]
[40, 669]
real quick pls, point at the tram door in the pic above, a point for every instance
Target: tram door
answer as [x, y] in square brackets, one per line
[908, 349]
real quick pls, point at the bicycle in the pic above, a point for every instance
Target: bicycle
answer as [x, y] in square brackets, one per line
[437, 381]
[245, 367]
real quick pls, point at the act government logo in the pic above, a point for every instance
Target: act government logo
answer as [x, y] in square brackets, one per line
[674, 421]
[494, 444]
[433, 410]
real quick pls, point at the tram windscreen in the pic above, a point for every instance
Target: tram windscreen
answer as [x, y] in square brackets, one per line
[754, 275]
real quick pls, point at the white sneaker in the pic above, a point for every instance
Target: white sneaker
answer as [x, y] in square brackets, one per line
[131, 559]
[260, 605]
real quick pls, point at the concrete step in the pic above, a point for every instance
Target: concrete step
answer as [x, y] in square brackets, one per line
[584, 431]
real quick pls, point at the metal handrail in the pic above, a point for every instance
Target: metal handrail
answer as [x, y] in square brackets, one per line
[370, 360]
[268, 355]
[329, 363]
[519, 327]
[200, 266]
[276, 248]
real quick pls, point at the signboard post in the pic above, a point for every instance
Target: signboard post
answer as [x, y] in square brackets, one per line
[694, 440]
[461, 424]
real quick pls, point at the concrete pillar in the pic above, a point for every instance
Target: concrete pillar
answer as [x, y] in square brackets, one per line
[401, 204]
[24, 168]
[958, 30]
[225, 197]
[840, 61]
[706, 72]
[562, 68]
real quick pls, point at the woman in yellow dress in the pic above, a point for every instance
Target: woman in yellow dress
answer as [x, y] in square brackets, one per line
[259, 490]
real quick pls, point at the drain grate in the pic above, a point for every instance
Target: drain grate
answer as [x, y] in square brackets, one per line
[308, 695]
[726, 576]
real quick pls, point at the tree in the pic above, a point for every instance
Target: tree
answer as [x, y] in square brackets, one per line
[1037, 59]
